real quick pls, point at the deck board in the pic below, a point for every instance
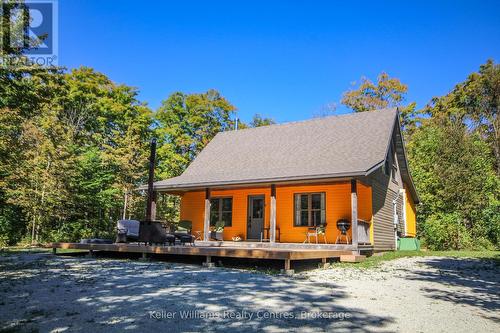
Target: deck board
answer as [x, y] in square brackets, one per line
[282, 252]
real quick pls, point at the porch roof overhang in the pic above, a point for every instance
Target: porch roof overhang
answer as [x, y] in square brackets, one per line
[179, 185]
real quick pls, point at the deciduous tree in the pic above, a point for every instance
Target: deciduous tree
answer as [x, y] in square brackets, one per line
[387, 92]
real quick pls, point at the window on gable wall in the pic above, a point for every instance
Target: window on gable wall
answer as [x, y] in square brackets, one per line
[388, 162]
[390, 165]
[394, 166]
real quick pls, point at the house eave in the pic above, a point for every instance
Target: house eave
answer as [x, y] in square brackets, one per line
[261, 182]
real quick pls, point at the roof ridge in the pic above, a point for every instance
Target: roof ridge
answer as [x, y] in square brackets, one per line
[345, 115]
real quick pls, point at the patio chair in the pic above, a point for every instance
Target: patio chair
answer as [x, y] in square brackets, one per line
[183, 232]
[316, 232]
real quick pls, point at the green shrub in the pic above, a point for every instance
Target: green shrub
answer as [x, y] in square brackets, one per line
[483, 244]
[4, 241]
[447, 232]
[72, 232]
[10, 233]
[490, 223]
[25, 241]
[4, 232]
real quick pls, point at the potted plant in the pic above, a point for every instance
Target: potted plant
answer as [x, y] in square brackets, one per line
[217, 231]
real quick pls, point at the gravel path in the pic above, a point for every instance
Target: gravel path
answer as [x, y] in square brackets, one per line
[41, 292]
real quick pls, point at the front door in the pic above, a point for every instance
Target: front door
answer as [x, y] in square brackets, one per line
[255, 226]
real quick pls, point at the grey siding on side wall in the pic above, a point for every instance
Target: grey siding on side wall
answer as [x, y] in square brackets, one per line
[384, 191]
[396, 185]
[382, 196]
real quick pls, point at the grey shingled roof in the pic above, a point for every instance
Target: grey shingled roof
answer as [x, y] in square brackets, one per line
[335, 146]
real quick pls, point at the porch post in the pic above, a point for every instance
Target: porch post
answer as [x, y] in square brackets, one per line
[272, 222]
[206, 221]
[354, 213]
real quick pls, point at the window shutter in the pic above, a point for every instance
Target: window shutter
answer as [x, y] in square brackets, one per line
[297, 209]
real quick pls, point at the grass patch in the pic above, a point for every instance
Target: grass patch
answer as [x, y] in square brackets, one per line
[376, 260]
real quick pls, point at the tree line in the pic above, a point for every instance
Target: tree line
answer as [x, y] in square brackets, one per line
[74, 148]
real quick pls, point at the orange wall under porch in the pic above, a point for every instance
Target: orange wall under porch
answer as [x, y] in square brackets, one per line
[337, 206]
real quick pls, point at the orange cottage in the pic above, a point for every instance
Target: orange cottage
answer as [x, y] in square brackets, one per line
[314, 181]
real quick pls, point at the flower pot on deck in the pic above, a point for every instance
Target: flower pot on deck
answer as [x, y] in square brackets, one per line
[217, 235]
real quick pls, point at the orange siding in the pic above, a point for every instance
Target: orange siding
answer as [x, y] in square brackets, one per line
[411, 215]
[193, 209]
[365, 206]
[193, 206]
[338, 205]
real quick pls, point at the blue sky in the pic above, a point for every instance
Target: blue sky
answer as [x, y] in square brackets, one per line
[283, 59]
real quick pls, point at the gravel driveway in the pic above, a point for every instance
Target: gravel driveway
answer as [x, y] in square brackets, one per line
[41, 292]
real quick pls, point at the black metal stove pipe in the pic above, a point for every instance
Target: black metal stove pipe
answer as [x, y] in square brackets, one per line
[151, 193]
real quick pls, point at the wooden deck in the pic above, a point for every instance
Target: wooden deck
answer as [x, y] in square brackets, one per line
[289, 246]
[279, 251]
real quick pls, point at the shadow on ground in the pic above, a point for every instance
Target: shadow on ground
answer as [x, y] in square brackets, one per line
[40, 291]
[478, 281]
[268, 266]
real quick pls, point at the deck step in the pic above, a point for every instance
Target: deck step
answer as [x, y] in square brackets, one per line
[352, 258]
